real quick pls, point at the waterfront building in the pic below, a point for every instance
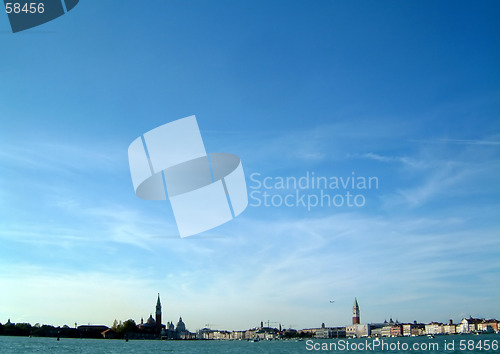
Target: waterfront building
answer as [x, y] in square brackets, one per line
[376, 329]
[237, 335]
[358, 330]
[221, 335]
[434, 328]
[386, 330]
[180, 329]
[396, 330]
[330, 332]
[267, 333]
[413, 329]
[488, 326]
[468, 325]
[376, 332]
[205, 333]
[450, 328]
[309, 331]
[91, 331]
[407, 329]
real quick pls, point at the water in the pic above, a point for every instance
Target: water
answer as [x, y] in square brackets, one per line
[86, 346]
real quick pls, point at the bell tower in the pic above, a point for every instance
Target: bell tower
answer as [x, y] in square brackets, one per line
[158, 314]
[355, 312]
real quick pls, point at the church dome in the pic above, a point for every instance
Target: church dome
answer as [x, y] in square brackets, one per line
[181, 327]
[151, 321]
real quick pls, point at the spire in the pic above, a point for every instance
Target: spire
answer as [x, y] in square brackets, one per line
[158, 314]
[355, 312]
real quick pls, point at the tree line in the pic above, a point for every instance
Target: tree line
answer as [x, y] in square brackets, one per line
[37, 330]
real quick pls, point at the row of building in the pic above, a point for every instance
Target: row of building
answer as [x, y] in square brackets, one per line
[358, 329]
[396, 329]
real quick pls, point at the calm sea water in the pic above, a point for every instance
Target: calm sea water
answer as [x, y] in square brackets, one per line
[87, 346]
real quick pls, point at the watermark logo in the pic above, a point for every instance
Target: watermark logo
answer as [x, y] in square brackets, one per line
[310, 190]
[25, 14]
[205, 190]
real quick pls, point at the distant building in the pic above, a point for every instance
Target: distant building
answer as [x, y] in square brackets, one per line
[153, 326]
[180, 329]
[488, 326]
[468, 325]
[180, 332]
[204, 333]
[386, 331]
[330, 332]
[109, 334]
[376, 329]
[434, 328]
[221, 335]
[158, 314]
[357, 330]
[355, 313]
[396, 330]
[387, 328]
[237, 335]
[413, 329]
[267, 333]
[250, 333]
[91, 331]
[450, 328]
[309, 331]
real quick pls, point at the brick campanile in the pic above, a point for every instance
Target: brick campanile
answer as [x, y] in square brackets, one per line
[355, 312]
[158, 314]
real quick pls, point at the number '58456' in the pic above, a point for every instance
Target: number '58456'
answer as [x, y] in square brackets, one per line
[31, 8]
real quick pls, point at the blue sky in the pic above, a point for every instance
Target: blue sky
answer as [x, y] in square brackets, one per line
[404, 91]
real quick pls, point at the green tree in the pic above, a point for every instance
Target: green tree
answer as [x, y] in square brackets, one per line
[23, 329]
[119, 328]
[9, 329]
[129, 326]
[114, 327]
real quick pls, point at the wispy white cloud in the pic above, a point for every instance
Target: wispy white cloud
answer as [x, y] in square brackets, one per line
[487, 142]
[61, 157]
[405, 160]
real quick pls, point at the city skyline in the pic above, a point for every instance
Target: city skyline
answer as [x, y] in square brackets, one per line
[406, 92]
[155, 325]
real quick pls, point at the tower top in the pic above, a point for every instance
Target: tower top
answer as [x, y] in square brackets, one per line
[356, 306]
[158, 303]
